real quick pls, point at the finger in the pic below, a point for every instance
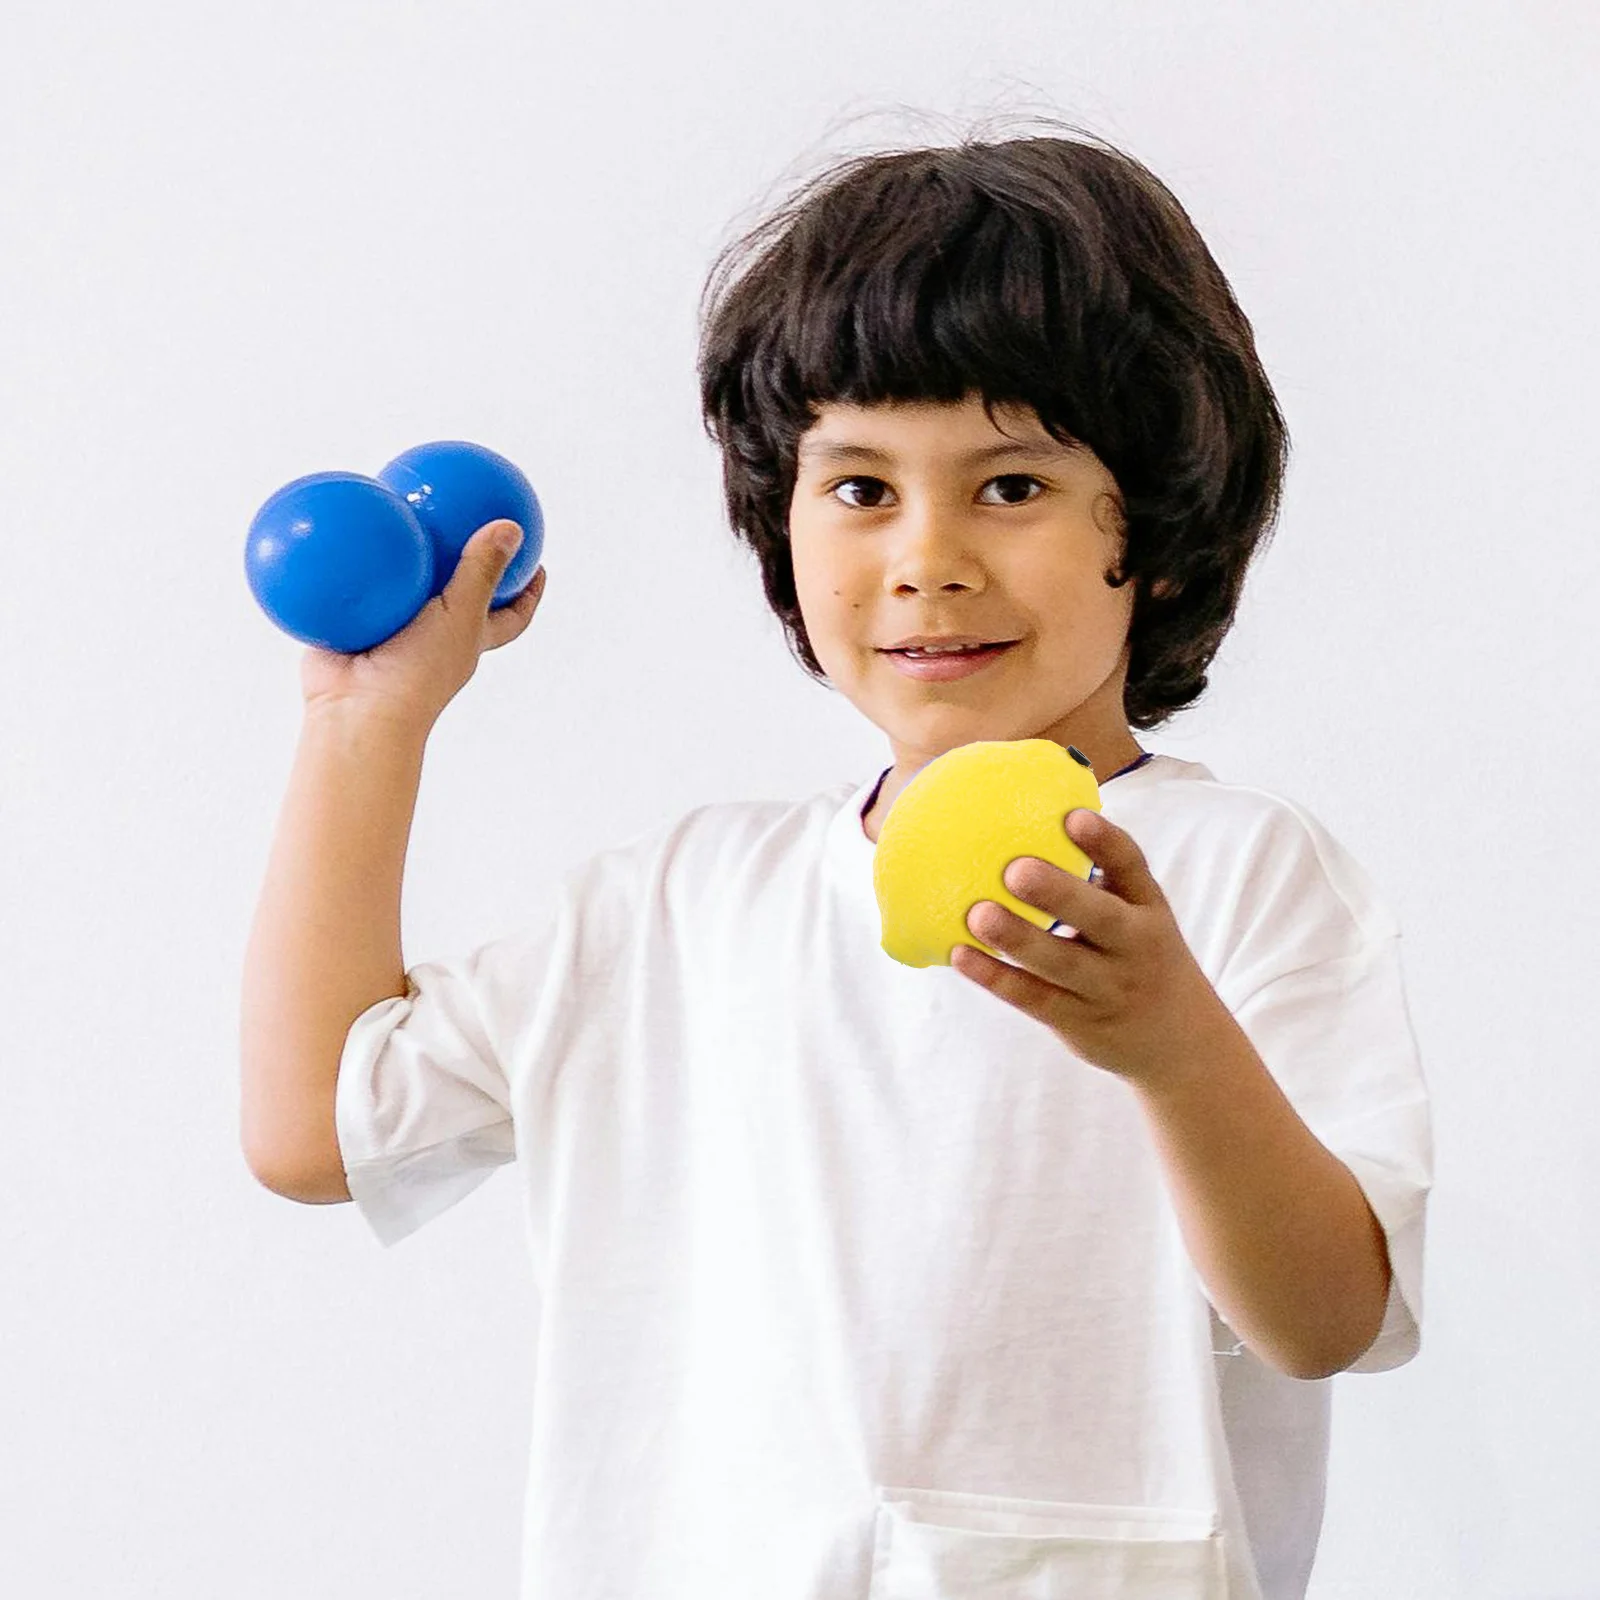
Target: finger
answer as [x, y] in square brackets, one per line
[1063, 964]
[1115, 852]
[1038, 998]
[484, 559]
[509, 621]
[1094, 915]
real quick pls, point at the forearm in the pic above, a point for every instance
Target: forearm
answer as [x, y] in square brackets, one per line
[325, 943]
[1277, 1226]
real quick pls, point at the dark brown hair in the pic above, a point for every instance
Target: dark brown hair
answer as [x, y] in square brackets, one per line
[1055, 272]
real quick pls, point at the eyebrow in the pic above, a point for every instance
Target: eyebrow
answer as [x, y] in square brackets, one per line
[838, 451]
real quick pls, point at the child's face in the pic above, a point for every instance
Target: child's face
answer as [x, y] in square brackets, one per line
[894, 535]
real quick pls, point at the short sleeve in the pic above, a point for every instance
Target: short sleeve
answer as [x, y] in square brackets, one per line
[1333, 1027]
[423, 1104]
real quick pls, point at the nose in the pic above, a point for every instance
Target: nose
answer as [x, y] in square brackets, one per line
[930, 552]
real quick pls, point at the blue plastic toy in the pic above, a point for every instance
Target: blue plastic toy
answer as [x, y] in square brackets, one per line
[455, 488]
[345, 562]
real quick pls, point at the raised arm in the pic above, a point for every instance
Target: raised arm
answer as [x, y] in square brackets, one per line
[325, 943]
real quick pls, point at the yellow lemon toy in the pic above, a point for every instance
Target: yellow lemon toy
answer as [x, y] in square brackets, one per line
[956, 827]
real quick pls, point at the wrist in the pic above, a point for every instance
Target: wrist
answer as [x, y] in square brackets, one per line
[365, 722]
[1202, 1053]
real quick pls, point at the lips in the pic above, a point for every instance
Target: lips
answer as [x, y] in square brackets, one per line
[941, 667]
[943, 641]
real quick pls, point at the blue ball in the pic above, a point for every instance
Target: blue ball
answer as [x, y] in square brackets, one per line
[339, 560]
[455, 488]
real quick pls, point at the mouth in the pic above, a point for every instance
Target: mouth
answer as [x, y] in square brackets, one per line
[948, 660]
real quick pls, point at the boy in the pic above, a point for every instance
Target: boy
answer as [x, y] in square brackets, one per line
[860, 1282]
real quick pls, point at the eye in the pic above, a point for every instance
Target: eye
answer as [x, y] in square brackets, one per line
[1016, 479]
[876, 485]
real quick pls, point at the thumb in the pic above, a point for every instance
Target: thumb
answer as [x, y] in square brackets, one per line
[487, 555]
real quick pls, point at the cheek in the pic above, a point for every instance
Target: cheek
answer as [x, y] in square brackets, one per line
[823, 607]
[811, 587]
[1087, 613]
[825, 581]
[832, 616]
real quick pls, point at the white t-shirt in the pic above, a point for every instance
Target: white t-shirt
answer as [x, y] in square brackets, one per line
[854, 1283]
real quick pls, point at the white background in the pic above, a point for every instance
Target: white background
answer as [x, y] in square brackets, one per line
[246, 242]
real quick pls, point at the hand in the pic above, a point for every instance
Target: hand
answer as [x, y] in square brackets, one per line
[1124, 992]
[416, 673]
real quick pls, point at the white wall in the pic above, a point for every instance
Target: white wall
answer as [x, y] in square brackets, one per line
[245, 242]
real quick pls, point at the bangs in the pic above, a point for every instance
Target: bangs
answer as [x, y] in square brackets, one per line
[921, 285]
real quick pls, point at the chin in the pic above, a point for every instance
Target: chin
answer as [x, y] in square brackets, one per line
[953, 728]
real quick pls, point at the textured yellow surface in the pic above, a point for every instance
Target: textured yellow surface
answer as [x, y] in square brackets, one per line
[958, 825]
